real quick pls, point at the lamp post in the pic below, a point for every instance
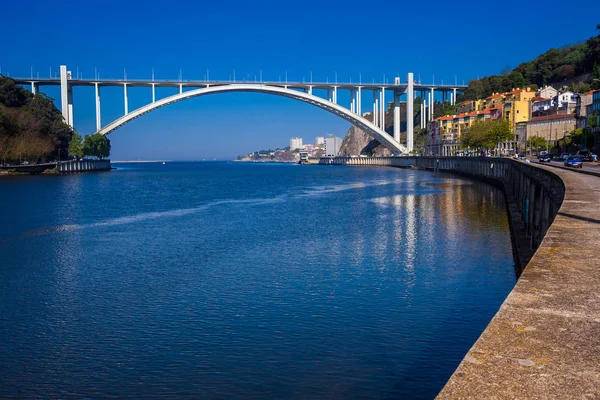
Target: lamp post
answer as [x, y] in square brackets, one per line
[565, 129]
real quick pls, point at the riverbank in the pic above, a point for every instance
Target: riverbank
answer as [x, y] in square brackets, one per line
[56, 168]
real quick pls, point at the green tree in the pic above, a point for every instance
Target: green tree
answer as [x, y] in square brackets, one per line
[96, 145]
[537, 143]
[76, 145]
[593, 121]
[486, 134]
[445, 108]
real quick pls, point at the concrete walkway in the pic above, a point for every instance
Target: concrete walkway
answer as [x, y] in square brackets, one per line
[544, 342]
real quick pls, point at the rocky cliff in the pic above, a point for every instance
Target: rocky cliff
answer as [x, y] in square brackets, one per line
[359, 142]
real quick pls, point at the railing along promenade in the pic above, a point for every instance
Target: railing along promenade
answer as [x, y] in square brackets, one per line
[544, 341]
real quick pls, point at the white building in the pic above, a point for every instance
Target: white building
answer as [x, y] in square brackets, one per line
[548, 92]
[332, 145]
[566, 99]
[319, 140]
[295, 143]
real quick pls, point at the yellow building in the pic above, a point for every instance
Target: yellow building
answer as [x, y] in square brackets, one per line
[492, 101]
[519, 95]
[516, 111]
[445, 127]
[468, 106]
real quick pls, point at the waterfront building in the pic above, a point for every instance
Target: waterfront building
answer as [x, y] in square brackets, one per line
[295, 143]
[566, 99]
[516, 111]
[541, 106]
[550, 127]
[595, 107]
[520, 133]
[495, 112]
[493, 101]
[468, 106]
[547, 92]
[319, 140]
[332, 145]
[519, 95]
[583, 108]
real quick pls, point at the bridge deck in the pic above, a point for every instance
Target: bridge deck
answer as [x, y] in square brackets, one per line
[196, 84]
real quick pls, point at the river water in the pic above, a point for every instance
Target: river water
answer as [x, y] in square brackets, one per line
[224, 280]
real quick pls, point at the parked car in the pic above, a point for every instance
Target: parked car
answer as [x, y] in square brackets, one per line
[586, 155]
[545, 158]
[573, 161]
[564, 156]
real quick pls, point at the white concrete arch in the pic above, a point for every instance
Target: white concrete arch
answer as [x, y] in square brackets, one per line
[381, 136]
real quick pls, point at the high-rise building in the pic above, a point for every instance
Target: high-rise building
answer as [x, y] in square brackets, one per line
[332, 145]
[295, 143]
[319, 140]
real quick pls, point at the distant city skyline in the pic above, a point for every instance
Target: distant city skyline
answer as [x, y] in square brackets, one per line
[260, 39]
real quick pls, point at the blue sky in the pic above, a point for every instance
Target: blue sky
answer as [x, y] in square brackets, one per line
[440, 38]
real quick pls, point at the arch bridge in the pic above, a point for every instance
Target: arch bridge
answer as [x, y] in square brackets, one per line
[301, 91]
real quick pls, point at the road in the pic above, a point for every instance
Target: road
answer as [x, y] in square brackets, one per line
[586, 164]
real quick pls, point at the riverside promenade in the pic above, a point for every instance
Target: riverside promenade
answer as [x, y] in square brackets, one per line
[544, 341]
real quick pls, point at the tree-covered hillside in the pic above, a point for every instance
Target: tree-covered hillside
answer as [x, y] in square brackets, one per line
[554, 66]
[31, 127]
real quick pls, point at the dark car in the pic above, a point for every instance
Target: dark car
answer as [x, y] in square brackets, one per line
[573, 161]
[545, 158]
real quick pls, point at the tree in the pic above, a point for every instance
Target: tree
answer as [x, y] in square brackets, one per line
[96, 145]
[445, 108]
[486, 134]
[537, 143]
[593, 121]
[31, 127]
[76, 145]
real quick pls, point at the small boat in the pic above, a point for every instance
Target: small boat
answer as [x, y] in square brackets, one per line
[164, 163]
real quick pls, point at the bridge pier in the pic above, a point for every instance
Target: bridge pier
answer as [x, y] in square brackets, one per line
[359, 101]
[432, 105]
[397, 116]
[125, 99]
[409, 112]
[66, 96]
[98, 122]
[375, 109]
[382, 108]
[153, 93]
[33, 88]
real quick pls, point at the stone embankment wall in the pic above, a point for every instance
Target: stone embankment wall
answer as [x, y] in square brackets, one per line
[544, 341]
[83, 165]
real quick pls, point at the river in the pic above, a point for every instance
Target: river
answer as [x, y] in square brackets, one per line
[225, 280]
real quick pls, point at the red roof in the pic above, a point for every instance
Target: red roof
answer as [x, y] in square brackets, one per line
[537, 99]
[552, 117]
